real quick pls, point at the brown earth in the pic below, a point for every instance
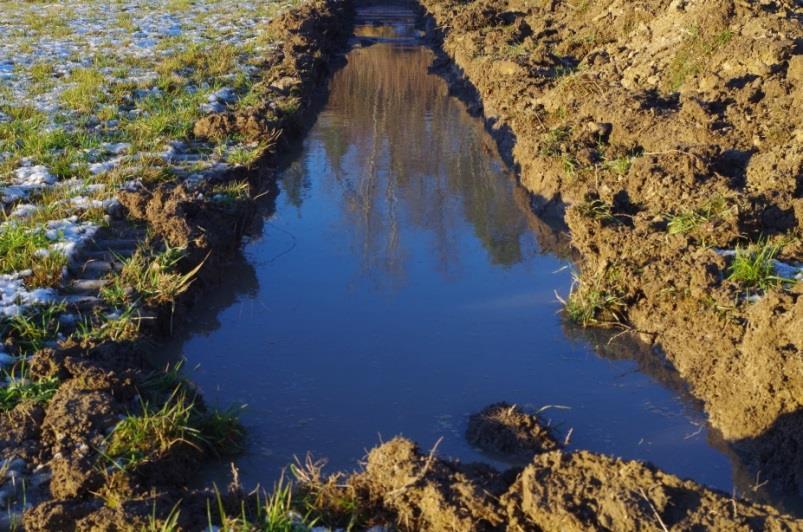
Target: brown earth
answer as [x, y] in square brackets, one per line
[414, 490]
[622, 114]
[694, 114]
[505, 430]
[555, 491]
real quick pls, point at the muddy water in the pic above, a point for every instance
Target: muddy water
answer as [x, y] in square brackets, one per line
[403, 283]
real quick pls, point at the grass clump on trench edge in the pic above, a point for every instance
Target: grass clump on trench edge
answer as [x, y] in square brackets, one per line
[276, 511]
[153, 432]
[151, 276]
[308, 501]
[753, 267]
[589, 303]
[19, 388]
[689, 220]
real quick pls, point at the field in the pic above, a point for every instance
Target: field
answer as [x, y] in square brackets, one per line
[136, 138]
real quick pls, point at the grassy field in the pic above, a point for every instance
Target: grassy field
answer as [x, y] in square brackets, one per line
[95, 96]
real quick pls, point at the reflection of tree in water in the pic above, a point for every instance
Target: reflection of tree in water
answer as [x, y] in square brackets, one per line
[295, 183]
[402, 151]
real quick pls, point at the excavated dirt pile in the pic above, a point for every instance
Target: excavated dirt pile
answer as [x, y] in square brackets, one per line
[665, 133]
[555, 490]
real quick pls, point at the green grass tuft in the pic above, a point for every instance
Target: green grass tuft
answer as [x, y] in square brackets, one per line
[590, 304]
[151, 433]
[689, 220]
[20, 388]
[32, 331]
[274, 512]
[753, 267]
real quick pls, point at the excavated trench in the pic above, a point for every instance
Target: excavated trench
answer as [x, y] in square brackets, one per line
[404, 282]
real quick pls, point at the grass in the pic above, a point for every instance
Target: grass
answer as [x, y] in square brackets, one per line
[753, 267]
[163, 383]
[691, 57]
[151, 278]
[19, 244]
[164, 117]
[153, 432]
[53, 21]
[20, 388]
[231, 191]
[85, 91]
[245, 155]
[114, 328]
[200, 62]
[590, 304]
[222, 431]
[689, 220]
[332, 502]
[274, 512]
[32, 331]
[168, 524]
[597, 209]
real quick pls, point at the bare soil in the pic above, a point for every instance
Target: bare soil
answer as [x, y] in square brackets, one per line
[555, 491]
[619, 116]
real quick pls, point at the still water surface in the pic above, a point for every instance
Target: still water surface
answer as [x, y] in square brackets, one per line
[403, 283]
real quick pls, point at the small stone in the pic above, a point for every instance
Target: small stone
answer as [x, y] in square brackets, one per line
[509, 68]
[795, 70]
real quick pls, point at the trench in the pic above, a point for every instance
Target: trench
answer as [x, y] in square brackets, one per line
[403, 283]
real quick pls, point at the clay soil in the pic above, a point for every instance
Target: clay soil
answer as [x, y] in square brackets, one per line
[617, 116]
[625, 119]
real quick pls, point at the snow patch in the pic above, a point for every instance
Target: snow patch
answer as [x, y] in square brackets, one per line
[27, 179]
[14, 297]
[70, 235]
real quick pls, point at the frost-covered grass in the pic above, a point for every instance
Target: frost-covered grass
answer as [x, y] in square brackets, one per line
[95, 96]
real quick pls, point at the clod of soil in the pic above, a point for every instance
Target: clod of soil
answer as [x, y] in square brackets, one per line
[505, 431]
[556, 491]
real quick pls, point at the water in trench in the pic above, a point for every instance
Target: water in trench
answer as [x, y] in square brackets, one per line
[403, 283]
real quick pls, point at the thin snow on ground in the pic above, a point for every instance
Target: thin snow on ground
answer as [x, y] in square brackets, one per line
[14, 297]
[69, 235]
[111, 54]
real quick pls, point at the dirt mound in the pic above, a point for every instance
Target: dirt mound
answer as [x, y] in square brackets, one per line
[505, 431]
[427, 493]
[662, 130]
[587, 491]
[556, 491]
